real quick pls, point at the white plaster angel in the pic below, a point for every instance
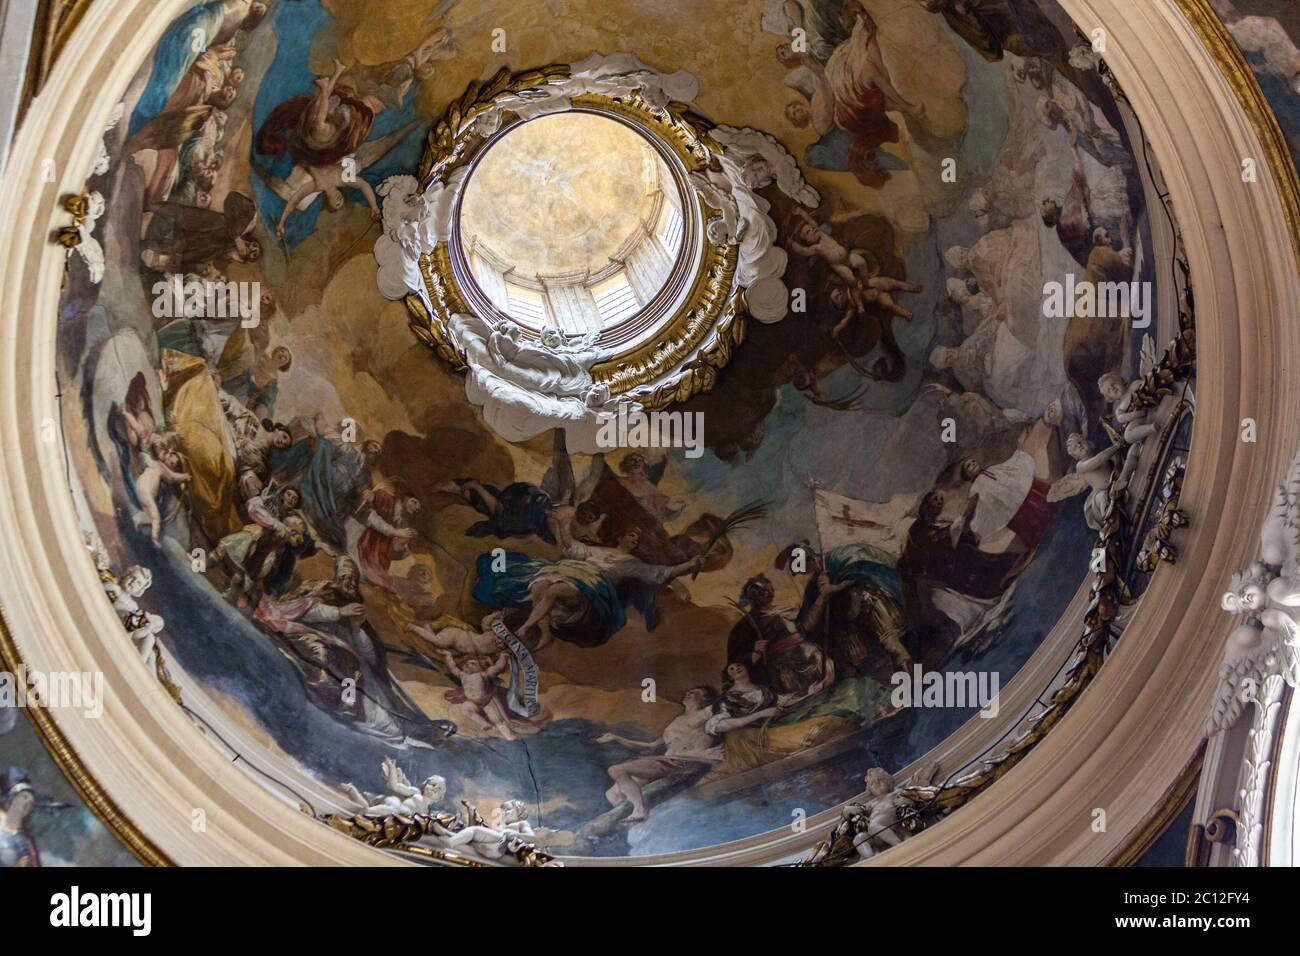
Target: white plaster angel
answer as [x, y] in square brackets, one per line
[872, 824]
[492, 842]
[528, 387]
[621, 74]
[764, 161]
[1092, 471]
[402, 798]
[143, 626]
[413, 222]
[1135, 422]
[1267, 641]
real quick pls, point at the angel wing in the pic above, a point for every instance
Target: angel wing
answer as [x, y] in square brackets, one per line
[394, 777]
[1286, 643]
[1238, 686]
[1067, 486]
[1149, 357]
[373, 150]
[596, 470]
[558, 481]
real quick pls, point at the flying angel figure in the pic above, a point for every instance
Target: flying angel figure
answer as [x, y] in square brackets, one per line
[304, 183]
[1268, 639]
[402, 798]
[763, 161]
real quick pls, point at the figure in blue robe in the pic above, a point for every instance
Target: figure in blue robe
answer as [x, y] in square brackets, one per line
[330, 477]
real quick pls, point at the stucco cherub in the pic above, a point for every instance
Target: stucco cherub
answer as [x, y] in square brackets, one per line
[402, 798]
[1267, 641]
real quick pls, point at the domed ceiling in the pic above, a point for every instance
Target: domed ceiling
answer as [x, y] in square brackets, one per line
[561, 194]
[901, 467]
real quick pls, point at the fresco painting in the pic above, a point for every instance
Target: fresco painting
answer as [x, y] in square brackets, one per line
[655, 652]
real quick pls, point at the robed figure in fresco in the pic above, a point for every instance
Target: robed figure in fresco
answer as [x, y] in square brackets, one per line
[321, 627]
[17, 847]
[771, 644]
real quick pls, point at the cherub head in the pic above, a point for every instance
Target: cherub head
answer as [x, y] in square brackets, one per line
[280, 436]
[512, 811]
[840, 297]
[879, 781]
[16, 796]
[957, 256]
[248, 250]
[333, 199]
[135, 580]
[282, 357]
[552, 338]
[809, 233]
[758, 172]
[1111, 386]
[434, 788]
[1246, 594]
[1078, 447]
[256, 14]
[798, 115]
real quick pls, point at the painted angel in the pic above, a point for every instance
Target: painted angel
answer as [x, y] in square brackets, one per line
[1267, 642]
[305, 181]
[402, 798]
[1134, 422]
